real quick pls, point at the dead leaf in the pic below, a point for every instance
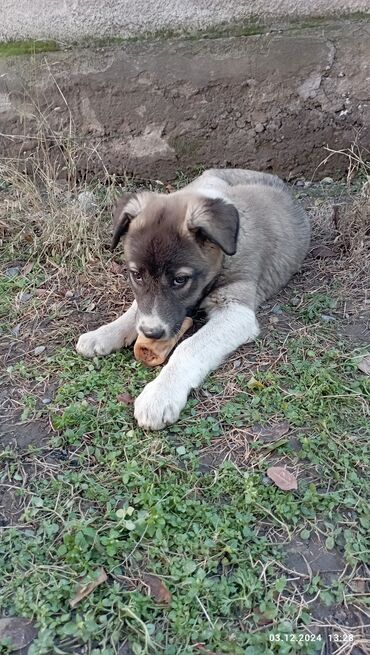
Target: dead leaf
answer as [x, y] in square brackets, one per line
[255, 384]
[205, 651]
[19, 632]
[282, 478]
[271, 432]
[324, 252]
[27, 268]
[157, 588]
[85, 590]
[261, 619]
[125, 398]
[115, 268]
[364, 365]
[359, 586]
[41, 292]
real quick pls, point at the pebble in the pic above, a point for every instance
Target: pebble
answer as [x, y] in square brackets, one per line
[11, 272]
[295, 301]
[327, 180]
[259, 127]
[69, 294]
[273, 320]
[46, 401]
[39, 350]
[23, 296]
[300, 183]
[327, 318]
[277, 310]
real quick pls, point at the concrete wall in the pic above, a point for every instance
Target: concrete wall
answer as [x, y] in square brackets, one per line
[269, 101]
[68, 20]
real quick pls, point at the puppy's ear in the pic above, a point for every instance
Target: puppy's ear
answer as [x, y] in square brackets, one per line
[127, 208]
[122, 216]
[217, 221]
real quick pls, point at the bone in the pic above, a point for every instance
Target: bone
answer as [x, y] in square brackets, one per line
[153, 352]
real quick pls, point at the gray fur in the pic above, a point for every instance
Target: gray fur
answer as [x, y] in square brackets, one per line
[226, 242]
[250, 215]
[274, 237]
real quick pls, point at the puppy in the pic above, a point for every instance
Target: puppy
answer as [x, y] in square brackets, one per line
[224, 243]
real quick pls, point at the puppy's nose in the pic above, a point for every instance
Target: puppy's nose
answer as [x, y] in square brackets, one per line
[152, 333]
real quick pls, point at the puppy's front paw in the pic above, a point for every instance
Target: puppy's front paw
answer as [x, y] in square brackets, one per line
[106, 340]
[93, 343]
[158, 405]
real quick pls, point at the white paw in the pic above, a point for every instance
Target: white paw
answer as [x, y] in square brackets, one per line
[94, 343]
[158, 405]
[103, 341]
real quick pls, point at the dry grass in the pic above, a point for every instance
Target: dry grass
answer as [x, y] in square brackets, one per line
[47, 209]
[350, 221]
[50, 219]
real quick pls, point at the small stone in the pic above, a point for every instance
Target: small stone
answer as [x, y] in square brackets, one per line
[259, 127]
[326, 318]
[300, 182]
[307, 183]
[237, 363]
[46, 401]
[87, 201]
[17, 631]
[274, 320]
[341, 74]
[327, 180]
[277, 310]
[295, 301]
[11, 272]
[24, 297]
[39, 350]
[69, 294]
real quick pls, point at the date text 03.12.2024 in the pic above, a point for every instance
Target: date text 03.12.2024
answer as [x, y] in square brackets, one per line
[297, 638]
[336, 637]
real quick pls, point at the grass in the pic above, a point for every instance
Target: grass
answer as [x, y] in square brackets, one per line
[83, 488]
[27, 47]
[111, 496]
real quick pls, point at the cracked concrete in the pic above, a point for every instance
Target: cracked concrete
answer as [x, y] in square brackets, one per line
[269, 101]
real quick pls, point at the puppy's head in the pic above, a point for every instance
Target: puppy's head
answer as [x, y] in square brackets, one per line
[174, 248]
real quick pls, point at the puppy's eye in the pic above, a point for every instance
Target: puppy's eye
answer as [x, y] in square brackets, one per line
[136, 276]
[180, 280]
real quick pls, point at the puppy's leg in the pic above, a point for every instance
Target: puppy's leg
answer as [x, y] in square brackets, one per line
[108, 338]
[163, 399]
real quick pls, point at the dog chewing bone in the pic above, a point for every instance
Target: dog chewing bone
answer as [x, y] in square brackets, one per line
[154, 352]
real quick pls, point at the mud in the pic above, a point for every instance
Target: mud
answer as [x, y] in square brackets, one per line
[269, 101]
